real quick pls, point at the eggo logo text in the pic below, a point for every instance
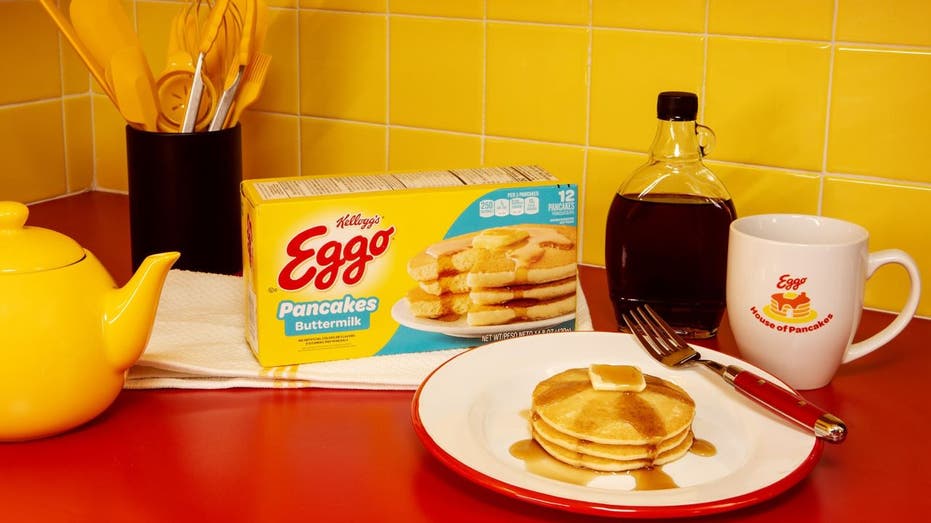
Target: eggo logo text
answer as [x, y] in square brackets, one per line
[332, 261]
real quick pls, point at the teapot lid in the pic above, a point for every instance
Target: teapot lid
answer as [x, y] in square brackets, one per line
[31, 249]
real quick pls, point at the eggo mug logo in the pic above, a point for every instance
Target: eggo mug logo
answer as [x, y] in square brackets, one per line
[324, 264]
[790, 308]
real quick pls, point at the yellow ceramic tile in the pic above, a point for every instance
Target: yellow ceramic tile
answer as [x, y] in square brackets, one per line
[889, 22]
[270, 145]
[551, 11]
[33, 152]
[29, 41]
[460, 8]
[334, 147]
[668, 15]
[436, 73]
[879, 113]
[414, 149]
[109, 146]
[281, 91]
[898, 216]
[343, 65]
[536, 82]
[806, 19]
[369, 6]
[75, 77]
[767, 101]
[282, 3]
[79, 143]
[605, 172]
[623, 97]
[760, 190]
[566, 162]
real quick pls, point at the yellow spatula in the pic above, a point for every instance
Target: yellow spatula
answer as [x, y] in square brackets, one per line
[134, 87]
[95, 68]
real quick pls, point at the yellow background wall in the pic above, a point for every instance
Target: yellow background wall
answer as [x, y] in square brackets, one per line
[820, 106]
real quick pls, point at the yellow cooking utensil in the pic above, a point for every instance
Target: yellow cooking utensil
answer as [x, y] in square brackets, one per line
[134, 86]
[106, 29]
[103, 26]
[173, 86]
[173, 89]
[234, 77]
[79, 47]
[208, 38]
[251, 87]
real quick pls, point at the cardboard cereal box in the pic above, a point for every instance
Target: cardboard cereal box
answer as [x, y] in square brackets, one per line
[353, 266]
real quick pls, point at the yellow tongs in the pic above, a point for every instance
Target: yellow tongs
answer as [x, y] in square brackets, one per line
[211, 29]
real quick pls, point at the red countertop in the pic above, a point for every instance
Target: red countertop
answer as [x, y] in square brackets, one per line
[339, 455]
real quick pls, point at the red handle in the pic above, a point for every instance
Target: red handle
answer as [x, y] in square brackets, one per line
[788, 404]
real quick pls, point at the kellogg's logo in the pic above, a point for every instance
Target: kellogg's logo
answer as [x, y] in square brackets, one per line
[323, 263]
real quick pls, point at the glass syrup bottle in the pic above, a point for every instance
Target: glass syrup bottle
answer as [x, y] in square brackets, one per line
[667, 229]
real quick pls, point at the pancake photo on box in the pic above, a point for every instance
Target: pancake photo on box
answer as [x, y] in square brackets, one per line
[497, 277]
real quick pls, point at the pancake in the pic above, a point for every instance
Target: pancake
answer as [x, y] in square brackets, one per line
[510, 274]
[520, 310]
[447, 257]
[611, 418]
[602, 450]
[425, 305]
[543, 253]
[512, 255]
[543, 291]
[578, 459]
[568, 403]
[455, 283]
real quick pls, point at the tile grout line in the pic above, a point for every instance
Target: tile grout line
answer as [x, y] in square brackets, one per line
[483, 138]
[706, 36]
[387, 115]
[300, 109]
[582, 188]
[61, 106]
[829, 99]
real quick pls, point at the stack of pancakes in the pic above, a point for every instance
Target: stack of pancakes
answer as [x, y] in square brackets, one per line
[496, 276]
[611, 430]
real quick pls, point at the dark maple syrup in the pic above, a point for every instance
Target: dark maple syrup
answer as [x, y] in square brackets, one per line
[669, 251]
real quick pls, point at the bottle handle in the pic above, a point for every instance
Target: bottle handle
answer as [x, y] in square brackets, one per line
[706, 139]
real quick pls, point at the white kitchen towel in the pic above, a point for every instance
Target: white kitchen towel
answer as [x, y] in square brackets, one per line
[198, 342]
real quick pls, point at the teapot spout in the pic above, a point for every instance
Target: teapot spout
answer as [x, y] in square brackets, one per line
[129, 312]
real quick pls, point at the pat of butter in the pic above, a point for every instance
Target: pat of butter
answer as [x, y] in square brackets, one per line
[624, 378]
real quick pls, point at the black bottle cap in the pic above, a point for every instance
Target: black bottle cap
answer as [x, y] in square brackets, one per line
[677, 106]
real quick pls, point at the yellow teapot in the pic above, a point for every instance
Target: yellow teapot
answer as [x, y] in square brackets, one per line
[67, 333]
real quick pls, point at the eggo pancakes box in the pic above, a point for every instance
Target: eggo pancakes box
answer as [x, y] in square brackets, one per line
[354, 266]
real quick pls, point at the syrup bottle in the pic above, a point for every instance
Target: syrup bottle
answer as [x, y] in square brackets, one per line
[667, 229]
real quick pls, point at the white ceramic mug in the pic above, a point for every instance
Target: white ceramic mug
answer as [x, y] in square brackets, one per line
[795, 294]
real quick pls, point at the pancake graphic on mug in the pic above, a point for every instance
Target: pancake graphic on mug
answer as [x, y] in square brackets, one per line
[790, 307]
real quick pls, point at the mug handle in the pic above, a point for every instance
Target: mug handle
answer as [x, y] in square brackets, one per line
[876, 260]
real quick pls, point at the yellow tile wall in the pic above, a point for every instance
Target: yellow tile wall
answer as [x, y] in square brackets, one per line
[819, 106]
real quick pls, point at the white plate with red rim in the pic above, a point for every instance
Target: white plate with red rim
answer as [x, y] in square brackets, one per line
[401, 312]
[471, 409]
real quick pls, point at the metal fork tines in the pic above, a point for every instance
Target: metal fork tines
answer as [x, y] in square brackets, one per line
[661, 341]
